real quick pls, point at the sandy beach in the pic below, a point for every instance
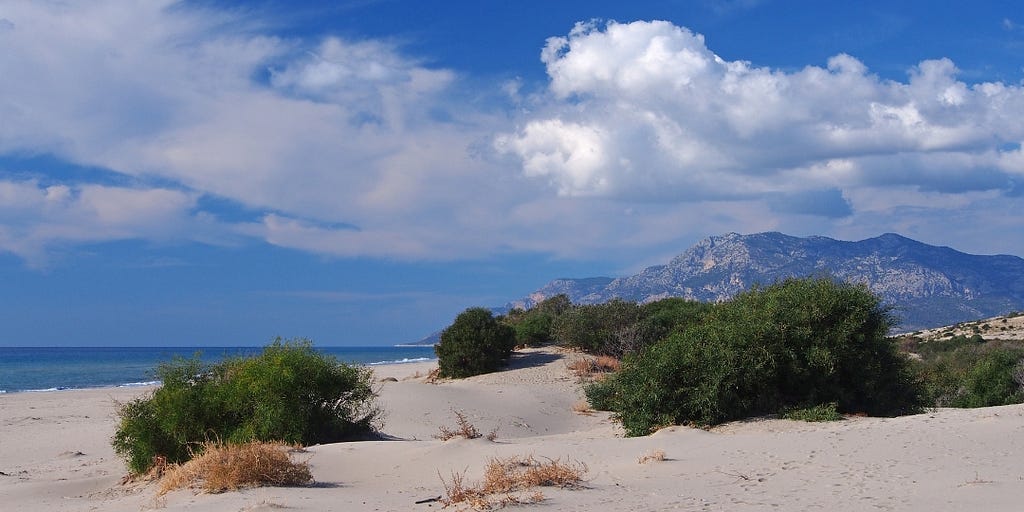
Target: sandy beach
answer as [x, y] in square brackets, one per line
[55, 454]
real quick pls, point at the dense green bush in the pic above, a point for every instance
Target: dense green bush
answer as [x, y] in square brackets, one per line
[533, 326]
[970, 372]
[534, 329]
[475, 343]
[823, 412]
[289, 392]
[597, 328]
[796, 344]
[554, 305]
[990, 381]
[619, 327]
[659, 319]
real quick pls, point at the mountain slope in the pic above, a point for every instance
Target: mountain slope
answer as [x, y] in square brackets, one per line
[927, 285]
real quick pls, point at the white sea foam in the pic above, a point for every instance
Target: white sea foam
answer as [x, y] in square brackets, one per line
[45, 390]
[404, 361]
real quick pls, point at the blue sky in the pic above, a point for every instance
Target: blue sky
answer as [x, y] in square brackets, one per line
[220, 173]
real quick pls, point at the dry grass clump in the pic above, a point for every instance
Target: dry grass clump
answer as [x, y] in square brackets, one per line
[607, 364]
[463, 429]
[583, 407]
[589, 369]
[519, 473]
[227, 467]
[581, 367]
[653, 456]
[433, 376]
[503, 478]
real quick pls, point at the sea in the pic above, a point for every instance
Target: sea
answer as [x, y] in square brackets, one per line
[39, 369]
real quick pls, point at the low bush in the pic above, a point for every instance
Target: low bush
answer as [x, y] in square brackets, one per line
[619, 327]
[964, 372]
[990, 381]
[475, 343]
[823, 412]
[534, 329]
[289, 393]
[598, 328]
[790, 345]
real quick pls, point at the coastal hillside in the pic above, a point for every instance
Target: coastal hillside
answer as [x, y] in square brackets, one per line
[927, 286]
[1008, 327]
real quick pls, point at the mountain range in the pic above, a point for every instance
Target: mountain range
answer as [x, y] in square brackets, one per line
[927, 286]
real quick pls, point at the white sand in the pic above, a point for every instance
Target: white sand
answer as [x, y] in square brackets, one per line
[55, 455]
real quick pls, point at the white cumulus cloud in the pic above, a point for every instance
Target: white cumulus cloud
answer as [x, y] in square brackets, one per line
[677, 122]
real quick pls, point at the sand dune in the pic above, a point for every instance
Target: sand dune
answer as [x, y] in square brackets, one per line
[55, 454]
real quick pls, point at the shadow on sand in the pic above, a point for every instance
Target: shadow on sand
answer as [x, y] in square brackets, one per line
[520, 360]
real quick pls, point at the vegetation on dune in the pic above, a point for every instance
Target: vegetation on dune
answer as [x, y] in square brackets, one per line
[289, 393]
[793, 345]
[533, 327]
[475, 343]
[619, 327]
[812, 349]
[597, 328]
[823, 412]
[969, 371]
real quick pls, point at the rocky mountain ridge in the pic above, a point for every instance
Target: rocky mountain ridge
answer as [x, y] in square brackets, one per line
[927, 286]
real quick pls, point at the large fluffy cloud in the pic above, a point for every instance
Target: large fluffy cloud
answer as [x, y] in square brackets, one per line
[647, 111]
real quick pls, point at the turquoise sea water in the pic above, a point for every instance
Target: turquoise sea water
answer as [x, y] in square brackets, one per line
[58, 368]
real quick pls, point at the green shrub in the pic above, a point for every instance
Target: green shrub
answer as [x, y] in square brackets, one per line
[601, 329]
[289, 393]
[965, 373]
[674, 313]
[603, 394]
[534, 329]
[475, 343]
[990, 381]
[799, 342]
[823, 412]
[553, 306]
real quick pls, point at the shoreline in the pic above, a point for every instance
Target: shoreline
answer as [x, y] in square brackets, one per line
[104, 371]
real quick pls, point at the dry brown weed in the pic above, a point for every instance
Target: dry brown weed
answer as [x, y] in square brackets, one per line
[607, 364]
[582, 407]
[519, 473]
[434, 376]
[504, 478]
[586, 369]
[580, 367]
[653, 456]
[226, 467]
[463, 428]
